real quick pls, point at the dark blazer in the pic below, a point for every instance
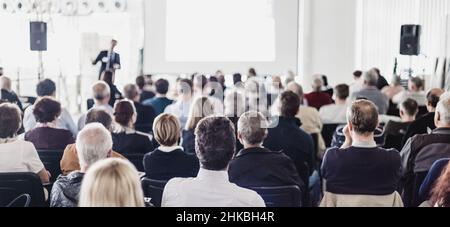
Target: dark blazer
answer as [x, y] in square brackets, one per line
[104, 54]
[45, 138]
[161, 165]
[145, 117]
[382, 82]
[295, 143]
[11, 97]
[419, 126]
[260, 167]
[145, 95]
[188, 141]
[115, 94]
[132, 143]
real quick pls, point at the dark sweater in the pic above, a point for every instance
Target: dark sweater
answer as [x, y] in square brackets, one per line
[161, 165]
[132, 143]
[188, 141]
[45, 138]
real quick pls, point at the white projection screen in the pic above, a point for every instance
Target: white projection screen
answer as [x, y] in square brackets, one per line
[185, 36]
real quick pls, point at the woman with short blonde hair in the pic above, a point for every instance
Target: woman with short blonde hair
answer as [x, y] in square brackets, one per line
[111, 183]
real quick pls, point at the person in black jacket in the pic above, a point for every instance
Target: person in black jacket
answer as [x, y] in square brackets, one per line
[108, 77]
[169, 160]
[424, 124]
[145, 114]
[256, 166]
[110, 60]
[289, 138]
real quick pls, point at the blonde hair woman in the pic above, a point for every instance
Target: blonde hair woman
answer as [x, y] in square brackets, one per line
[111, 183]
[201, 108]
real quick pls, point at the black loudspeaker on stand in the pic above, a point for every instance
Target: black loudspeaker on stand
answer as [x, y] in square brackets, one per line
[410, 40]
[38, 36]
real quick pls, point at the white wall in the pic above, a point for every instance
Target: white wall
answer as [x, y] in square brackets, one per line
[329, 40]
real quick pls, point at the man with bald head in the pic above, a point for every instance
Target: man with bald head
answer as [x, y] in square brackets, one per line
[425, 124]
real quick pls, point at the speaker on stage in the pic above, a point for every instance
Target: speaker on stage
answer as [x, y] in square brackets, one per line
[38, 36]
[410, 39]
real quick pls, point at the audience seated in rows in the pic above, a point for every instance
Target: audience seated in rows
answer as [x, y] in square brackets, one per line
[160, 101]
[394, 88]
[318, 98]
[287, 136]
[425, 124]
[46, 135]
[144, 85]
[93, 144]
[415, 92]
[17, 156]
[215, 147]
[394, 130]
[256, 166]
[145, 114]
[101, 95]
[69, 161]
[360, 168]
[126, 139]
[169, 160]
[111, 183]
[201, 108]
[441, 135]
[115, 94]
[46, 88]
[336, 113]
[370, 92]
[7, 94]
[183, 103]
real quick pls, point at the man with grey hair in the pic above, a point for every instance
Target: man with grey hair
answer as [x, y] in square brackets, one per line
[256, 166]
[371, 92]
[93, 144]
[359, 167]
[416, 144]
[101, 94]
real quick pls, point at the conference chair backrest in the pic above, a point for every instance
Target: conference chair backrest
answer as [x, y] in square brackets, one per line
[51, 160]
[137, 160]
[283, 196]
[153, 189]
[12, 185]
[337, 200]
[328, 132]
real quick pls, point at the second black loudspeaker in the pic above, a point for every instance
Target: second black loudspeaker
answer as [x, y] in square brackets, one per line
[38, 36]
[410, 39]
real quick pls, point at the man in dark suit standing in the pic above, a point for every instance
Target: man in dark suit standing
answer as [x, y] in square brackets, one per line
[110, 59]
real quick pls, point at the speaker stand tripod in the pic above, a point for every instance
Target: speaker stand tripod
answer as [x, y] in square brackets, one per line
[40, 66]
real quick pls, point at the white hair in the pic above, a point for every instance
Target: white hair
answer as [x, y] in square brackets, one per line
[93, 143]
[443, 107]
[100, 90]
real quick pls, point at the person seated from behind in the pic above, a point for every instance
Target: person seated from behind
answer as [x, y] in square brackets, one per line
[69, 161]
[94, 143]
[17, 155]
[160, 101]
[415, 91]
[111, 182]
[169, 160]
[440, 195]
[184, 101]
[145, 88]
[257, 166]
[215, 147]
[43, 89]
[7, 93]
[125, 138]
[47, 135]
[336, 113]
[382, 82]
[359, 167]
[395, 131]
[115, 94]
[393, 89]
[201, 108]
[318, 98]
[425, 124]
[101, 95]
[370, 92]
[145, 114]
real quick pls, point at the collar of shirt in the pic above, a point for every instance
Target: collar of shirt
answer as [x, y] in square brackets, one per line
[362, 144]
[169, 149]
[215, 176]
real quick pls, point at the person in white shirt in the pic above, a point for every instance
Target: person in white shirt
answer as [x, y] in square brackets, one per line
[48, 88]
[183, 104]
[216, 144]
[336, 113]
[415, 92]
[17, 156]
[101, 95]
